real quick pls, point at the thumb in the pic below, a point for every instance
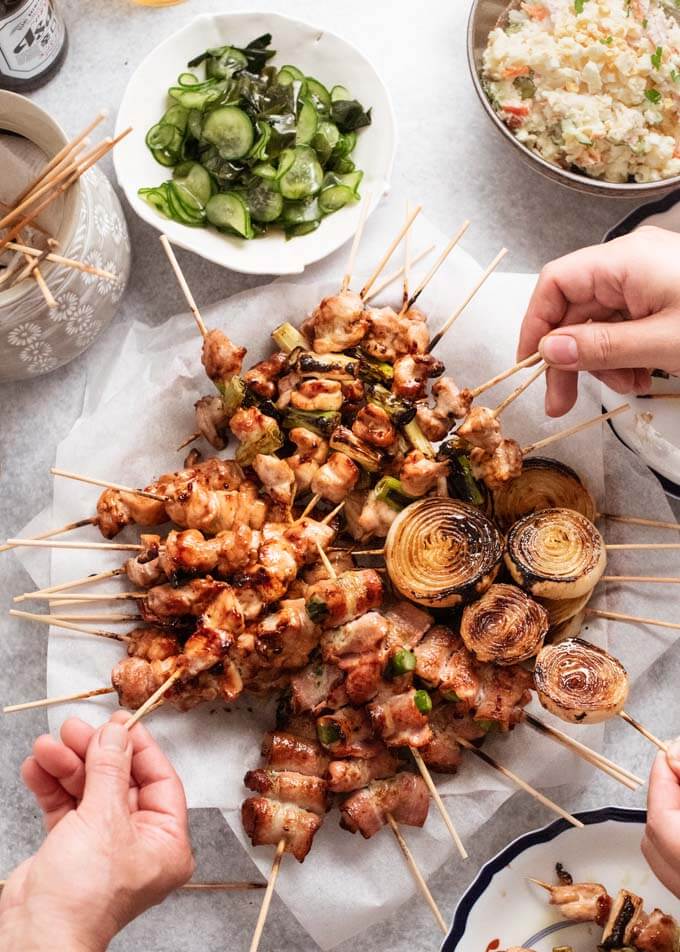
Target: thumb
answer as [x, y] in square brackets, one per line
[609, 346]
[107, 770]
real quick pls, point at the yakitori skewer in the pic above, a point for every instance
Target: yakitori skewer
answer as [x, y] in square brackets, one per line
[395, 275]
[78, 524]
[406, 280]
[635, 619]
[182, 281]
[155, 697]
[50, 544]
[266, 901]
[642, 579]
[461, 307]
[390, 251]
[106, 484]
[644, 545]
[412, 298]
[638, 521]
[63, 699]
[75, 583]
[417, 875]
[69, 626]
[499, 378]
[577, 428]
[644, 731]
[519, 390]
[356, 241]
[96, 616]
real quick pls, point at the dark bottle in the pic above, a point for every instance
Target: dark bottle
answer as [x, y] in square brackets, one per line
[33, 43]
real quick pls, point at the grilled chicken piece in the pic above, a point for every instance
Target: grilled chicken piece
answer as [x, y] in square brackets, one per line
[407, 624]
[481, 428]
[361, 636]
[136, 679]
[319, 686]
[374, 520]
[339, 322]
[189, 553]
[433, 652]
[405, 796]
[288, 786]
[499, 467]
[656, 932]
[353, 773]
[284, 751]
[215, 511]
[347, 733]
[305, 537]
[451, 404]
[222, 359]
[216, 685]
[165, 601]
[398, 722]
[152, 644]
[336, 478]
[287, 637]
[115, 510]
[334, 602]
[212, 421]
[218, 627]
[312, 452]
[443, 753]
[146, 569]
[419, 473]
[277, 478]
[267, 822]
[412, 372]
[319, 395]
[624, 916]
[582, 902]
[262, 377]
[390, 335]
[373, 425]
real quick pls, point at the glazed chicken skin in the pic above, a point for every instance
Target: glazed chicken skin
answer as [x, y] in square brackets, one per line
[412, 372]
[397, 719]
[482, 429]
[311, 453]
[419, 473]
[334, 602]
[499, 467]
[450, 404]
[221, 359]
[391, 335]
[373, 425]
[405, 796]
[262, 378]
[277, 478]
[352, 773]
[336, 478]
[338, 323]
[581, 902]
[443, 753]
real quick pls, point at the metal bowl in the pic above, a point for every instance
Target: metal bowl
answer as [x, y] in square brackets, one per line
[484, 16]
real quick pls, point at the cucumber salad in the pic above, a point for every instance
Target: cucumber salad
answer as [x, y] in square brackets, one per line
[252, 146]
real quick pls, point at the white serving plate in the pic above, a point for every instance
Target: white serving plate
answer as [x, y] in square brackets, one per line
[658, 441]
[317, 52]
[502, 907]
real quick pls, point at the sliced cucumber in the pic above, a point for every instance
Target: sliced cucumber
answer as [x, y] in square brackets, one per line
[304, 177]
[194, 123]
[340, 94]
[295, 213]
[264, 170]
[163, 136]
[198, 98]
[228, 211]
[196, 180]
[326, 138]
[307, 124]
[157, 198]
[181, 209]
[264, 201]
[188, 79]
[296, 231]
[319, 95]
[341, 165]
[289, 74]
[177, 116]
[230, 130]
[259, 150]
[229, 61]
[334, 197]
[286, 159]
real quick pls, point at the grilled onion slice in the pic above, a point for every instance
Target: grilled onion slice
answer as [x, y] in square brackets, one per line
[579, 682]
[555, 553]
[561, 610]
[442, 552]
[570, 628]
[504, 626]
[543, 484]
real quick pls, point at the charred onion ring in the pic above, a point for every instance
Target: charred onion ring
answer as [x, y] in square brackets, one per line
[561, 610]
[504, 626]
[441, 552]
[543, 484]
[555, 553]
[579, 682]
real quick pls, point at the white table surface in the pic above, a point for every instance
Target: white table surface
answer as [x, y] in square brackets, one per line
[449, 159]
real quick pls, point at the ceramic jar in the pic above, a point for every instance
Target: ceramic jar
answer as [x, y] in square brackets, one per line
[35, 339]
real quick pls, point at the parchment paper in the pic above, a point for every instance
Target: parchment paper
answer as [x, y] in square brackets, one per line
[138, 407]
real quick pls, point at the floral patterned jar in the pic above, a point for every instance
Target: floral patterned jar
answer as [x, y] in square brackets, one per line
[35, 338]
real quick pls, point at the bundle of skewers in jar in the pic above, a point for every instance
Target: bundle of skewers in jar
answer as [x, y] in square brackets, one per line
[377, 555]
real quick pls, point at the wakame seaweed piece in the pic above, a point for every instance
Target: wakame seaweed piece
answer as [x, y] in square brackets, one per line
[254, 56]
[223, 170]
[348, 115]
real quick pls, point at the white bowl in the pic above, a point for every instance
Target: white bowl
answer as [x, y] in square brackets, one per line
[316, 52]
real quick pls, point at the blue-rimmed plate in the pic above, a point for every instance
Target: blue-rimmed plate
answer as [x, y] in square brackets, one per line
[653, 429]
[501, 908]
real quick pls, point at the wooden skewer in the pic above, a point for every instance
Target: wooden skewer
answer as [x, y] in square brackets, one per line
[53, 532]
[539, 882]
[76, 583]
[417, 875]
[643, 545]
[510, 775]
[591, 756]
[328, 565]
[64, 173]
[636, 521]
[37, 276]
[395, 275]
[222, 887]
[660, 396]
[156, 696]
[390, 251]
[108, 485]
[49, 544]
[47, 701]
[405, 293]
[347, 277]
[620, 616]
[332, 514]
[643, 730]
[570, 431]
[310, 505]
[59, 598]
[643, 579]
[461, 307]
[518, 391]
[190, 439]
[97, 616]
[410, 301]
[72, 263]
[499, 378]
[431, 786]
[269, 892]
[69, 626]
[182, 281]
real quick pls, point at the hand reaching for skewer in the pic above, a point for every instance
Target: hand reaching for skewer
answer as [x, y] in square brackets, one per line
[661, 843]
[613, 309]
[117, 843]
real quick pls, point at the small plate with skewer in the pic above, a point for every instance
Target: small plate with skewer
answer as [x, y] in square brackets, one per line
[503, 908]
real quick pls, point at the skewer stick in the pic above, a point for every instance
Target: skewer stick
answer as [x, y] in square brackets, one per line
[570, 431]
[347, 277]
[76, 583]
[518, 391]
[636, 521]
[417, 875]
[461, 307]
[332, 514]
[643, 730]
[49, 544]
[642, 579]
[182, 281]
[66, 172]
[269, 892]
[97, 616]
[660, 396]
[327, 564]
[510, 775]
[643, 545]
[156, 696]
[189, 439]
[620, 616]
[69, 626]
[66, 262]
[47, 701]
[222, 887]
[37, 276]
[310, 505]
[431, 786]
[390, 251]
[92, 521]
[58, 597]
[108, 485]
[591, 756]
[407, 265]
[395, 275]
[410, 301]
[539, 882]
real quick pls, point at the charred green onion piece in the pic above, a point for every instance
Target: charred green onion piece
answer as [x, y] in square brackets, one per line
[287, 338]
[328, 732]
[317, 609]
[348, 443]
[322, 422]
[233, 392]
[400, 411]
[417, 438]
[268, 442]
[403, 661]
[390, 491]
[423, 701]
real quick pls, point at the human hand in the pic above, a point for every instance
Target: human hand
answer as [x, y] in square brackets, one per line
[117, 838]
[612, 309]
[661, 842]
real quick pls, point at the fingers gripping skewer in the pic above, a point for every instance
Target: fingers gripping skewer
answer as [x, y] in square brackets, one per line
[63, 699]
[417, 875]
[390, 251]
[347, 277]
[411, 300]
[69, 626]
[518, 391]
[499, 378]
[395, 275]
[461, 307]
[546, 801]
[643, 730]
[266, 901]
[577, 428]
[156, 696]
[182, 281]
[108, 485]
[53, 532]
